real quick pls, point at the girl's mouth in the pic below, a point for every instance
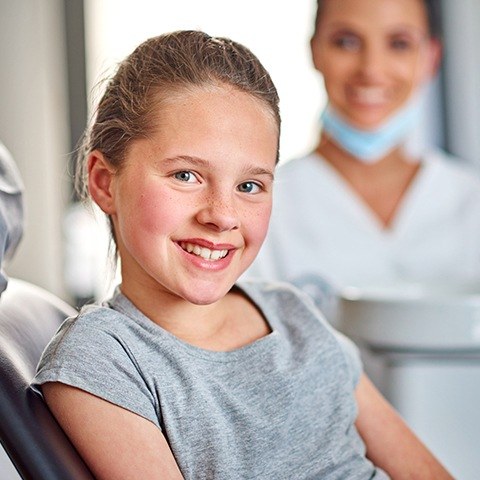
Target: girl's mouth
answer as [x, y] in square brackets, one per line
[205, 253]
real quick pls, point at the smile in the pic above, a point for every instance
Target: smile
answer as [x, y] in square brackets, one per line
[373, 95]
[205, 253]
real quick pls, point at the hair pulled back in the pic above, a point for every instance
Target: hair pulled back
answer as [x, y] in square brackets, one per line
[160, 67]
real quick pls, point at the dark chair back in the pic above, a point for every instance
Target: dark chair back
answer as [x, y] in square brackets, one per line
[35, 443]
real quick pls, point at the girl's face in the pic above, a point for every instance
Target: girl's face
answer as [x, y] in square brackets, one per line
[373, 54]
[192, 203]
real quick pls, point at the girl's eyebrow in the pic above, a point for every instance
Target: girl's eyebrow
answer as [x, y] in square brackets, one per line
[186, 159]
[259, 171]
[201, 162]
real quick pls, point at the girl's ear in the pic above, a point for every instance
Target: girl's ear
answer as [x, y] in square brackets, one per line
[100, 182]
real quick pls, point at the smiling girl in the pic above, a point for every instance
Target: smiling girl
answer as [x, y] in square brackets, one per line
[184, 372]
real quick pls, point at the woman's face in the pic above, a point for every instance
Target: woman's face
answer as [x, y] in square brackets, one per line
[373, 55]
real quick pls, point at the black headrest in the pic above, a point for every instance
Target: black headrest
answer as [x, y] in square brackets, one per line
[37, 446]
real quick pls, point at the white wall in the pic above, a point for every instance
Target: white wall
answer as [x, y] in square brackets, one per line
[33, 125]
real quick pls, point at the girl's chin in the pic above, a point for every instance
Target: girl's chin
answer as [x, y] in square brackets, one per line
[203, 302]
[204, 298]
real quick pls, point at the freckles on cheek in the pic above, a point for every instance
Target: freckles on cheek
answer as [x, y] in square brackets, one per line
[259, 224]
[155, 212]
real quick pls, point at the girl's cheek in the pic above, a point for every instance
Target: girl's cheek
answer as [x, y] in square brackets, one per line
[259, 223]
[157, 210]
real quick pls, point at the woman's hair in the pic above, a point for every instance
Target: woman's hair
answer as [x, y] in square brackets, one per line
[433, 16]
[159, 68]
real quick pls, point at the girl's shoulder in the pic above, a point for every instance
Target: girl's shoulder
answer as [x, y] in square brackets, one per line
[293, 313]
[101, 327]
[94, 330]
[283, 302]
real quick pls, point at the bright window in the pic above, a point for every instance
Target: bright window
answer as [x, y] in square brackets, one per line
[277, 32]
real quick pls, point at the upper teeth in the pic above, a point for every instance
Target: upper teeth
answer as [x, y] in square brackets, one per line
[203, 252]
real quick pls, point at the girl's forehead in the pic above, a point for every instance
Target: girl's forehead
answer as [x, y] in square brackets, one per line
[178, 93]
[207, 122]
[169, 103]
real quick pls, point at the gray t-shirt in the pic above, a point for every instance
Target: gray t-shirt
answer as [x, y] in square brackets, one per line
[281, 407]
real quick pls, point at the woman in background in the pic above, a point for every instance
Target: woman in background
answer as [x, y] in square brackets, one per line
[363, 208]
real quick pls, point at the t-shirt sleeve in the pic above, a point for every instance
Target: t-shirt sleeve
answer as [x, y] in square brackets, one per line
[352, 357]
[86, 355]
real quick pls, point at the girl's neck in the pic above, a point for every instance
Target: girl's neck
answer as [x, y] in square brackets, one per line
[230, 323]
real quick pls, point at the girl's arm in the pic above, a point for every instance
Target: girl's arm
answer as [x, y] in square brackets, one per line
[114, 442]
[391, 445]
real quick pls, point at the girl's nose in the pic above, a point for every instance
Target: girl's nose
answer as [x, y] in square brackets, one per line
[219, 213]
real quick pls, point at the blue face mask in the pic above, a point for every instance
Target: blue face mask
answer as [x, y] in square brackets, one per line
[372, 145]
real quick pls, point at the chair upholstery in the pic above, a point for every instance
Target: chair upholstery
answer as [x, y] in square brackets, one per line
[35, 443]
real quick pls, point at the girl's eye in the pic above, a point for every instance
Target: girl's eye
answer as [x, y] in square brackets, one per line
[185, 176]
[249, 187]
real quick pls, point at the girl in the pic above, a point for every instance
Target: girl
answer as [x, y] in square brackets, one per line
[183, 372]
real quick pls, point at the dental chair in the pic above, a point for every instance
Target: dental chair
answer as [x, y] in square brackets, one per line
[30, 435]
